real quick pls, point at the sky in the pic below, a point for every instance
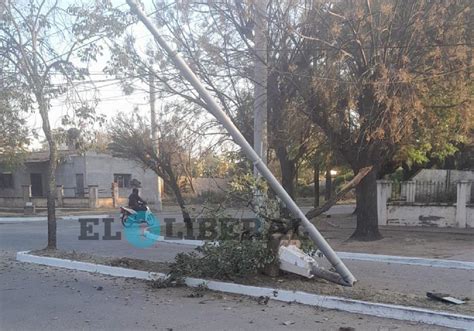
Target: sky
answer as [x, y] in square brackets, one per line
[112, 99]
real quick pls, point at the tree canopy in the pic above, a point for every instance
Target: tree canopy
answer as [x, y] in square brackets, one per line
[378, 76]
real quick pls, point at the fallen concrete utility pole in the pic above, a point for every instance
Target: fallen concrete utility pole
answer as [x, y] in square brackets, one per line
[221, 116]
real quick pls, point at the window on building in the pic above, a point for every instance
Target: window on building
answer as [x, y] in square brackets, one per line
[6, 180]
[123, 180]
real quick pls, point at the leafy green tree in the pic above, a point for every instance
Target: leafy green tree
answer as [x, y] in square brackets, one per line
[15, 135]
[217, 39]
[371, 74]
[130, 138]
[42, 47]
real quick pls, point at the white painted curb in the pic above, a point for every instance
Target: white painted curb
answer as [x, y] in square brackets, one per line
[161, 239]
[349, 305]
[412, 314]
[14, 219]
[435, 263]
[86, 266]
[79, 217]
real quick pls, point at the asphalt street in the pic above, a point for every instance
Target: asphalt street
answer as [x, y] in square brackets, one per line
[37, 297]
[44, 298]
[381, 276]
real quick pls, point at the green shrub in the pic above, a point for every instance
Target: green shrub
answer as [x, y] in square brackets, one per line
[226, 260]
[396, 176]
[305, 191]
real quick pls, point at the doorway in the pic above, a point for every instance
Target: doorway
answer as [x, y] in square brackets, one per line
[36, 185]
[80, 185]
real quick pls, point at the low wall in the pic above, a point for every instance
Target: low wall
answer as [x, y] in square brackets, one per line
[76, 202]
[11, 202]
[14, 202]
[39, 202]
[105, 203]
[421, 215]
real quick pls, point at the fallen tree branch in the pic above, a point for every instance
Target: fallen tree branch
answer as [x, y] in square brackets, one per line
[349, 186]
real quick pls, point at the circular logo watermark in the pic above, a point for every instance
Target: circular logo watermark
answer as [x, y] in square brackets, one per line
[135, 226]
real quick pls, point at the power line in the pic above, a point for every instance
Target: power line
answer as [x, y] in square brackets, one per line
[71, 26]
[115, 97]
[88, 43]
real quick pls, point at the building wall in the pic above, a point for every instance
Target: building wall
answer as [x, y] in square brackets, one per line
[442, 175]
[203, 185]
[21, 176]
[100, 170]
[67, 171]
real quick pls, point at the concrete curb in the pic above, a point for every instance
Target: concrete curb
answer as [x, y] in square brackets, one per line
[157, 238]
[14, 219]
[435, 263]
[397, 312]
[77, 217]
[86, 266]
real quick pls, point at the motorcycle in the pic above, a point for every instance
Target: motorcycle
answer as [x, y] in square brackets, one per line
[130, 217]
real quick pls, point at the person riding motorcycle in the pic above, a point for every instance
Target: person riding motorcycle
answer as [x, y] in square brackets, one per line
[137, 220]
[135, 202]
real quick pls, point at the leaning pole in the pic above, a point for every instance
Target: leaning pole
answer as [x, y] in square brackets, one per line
[222, 117]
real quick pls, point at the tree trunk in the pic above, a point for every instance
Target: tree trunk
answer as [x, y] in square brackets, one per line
[53, 159]
[328, 189]
[355, 209]
[288, 177]
[367, 221]
[182, 205]
[288, 171]
[316, 172]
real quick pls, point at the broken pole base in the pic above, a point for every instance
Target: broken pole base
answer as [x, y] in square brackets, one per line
[330, 276]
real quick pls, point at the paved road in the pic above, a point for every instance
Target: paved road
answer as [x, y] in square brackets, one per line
[379, 276]
[39, 296]
[34, 297]
[196, 211]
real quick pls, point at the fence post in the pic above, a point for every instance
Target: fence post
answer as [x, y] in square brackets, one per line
[411, 190]
[115, 194]
[463, 196]
[403, 190]
[60, 195]
[384, 192]
[29, 207]
[93, 196]
[26, 190]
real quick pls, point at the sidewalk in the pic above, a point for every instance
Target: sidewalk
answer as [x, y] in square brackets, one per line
[437, 243]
